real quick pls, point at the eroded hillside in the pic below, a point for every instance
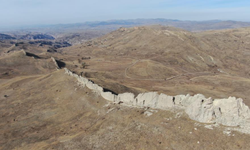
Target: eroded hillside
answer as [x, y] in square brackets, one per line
[170, 60]
[52, 112]
[43, 108]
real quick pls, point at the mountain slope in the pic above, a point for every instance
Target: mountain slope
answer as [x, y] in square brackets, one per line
[22, 63]
[170, 60]
[43, 108]
[52, 112]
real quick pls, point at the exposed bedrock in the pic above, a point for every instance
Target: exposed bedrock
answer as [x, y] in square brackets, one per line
[229, 111]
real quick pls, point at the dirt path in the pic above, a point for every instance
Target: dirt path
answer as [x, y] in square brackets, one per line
[125, 73]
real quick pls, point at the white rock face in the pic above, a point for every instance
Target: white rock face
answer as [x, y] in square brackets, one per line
[90, 85]
[183, 100]
[54, 61]
[165, 102]
[149, 99]
[179, 100]
[96, 88]
[109, 96]
[229, 112]
[126, 98]
[200, 109]
[82, 81]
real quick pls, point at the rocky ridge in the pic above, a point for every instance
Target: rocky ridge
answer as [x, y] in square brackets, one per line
[230, 111]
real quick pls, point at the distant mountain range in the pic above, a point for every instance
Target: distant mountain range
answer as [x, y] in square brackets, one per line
[6, 37]
[187, 25]
[81, 32]
[115, 24]
[26, 37]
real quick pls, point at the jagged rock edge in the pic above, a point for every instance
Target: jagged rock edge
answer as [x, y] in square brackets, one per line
[230, 111]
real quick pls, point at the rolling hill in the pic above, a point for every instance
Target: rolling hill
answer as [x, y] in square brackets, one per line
[42, 107]
[171, 60]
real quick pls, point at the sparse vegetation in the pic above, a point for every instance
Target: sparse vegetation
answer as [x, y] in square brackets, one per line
[83, 65]
[43, 107]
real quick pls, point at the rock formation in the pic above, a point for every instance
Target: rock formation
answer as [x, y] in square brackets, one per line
[54, 61]
[229, 112]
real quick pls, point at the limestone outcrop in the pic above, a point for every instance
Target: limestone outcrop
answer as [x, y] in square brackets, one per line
[54, 61]
[229, 111]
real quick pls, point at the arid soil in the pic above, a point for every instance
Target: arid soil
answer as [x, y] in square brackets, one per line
[42, 108]
[169, 60]
[52, 112]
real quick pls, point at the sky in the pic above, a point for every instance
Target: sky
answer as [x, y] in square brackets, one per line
[43, 12]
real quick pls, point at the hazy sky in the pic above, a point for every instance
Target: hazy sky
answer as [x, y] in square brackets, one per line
[31, 12]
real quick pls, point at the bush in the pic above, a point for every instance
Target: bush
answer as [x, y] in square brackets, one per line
[83, 65]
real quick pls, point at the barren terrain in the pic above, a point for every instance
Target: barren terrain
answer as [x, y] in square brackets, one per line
[42, 108]
[70, 117]
[170, 60]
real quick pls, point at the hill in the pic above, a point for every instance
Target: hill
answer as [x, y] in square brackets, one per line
[81, 32]
[37, 37]
[213, 63]
[115, 24]
[22, 64]
[42, 107]
[52, 112]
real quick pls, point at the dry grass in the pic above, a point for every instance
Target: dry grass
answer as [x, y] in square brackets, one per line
[172, 61]
[44, 110]
[52, 112]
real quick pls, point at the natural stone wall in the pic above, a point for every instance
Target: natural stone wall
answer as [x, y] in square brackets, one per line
[54, 61]
[229, 111]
